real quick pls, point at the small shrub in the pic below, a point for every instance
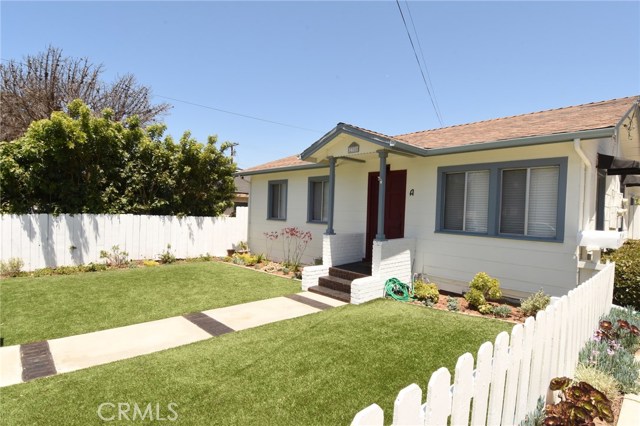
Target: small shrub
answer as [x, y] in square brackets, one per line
[534, 303]
[475, 298]
[150, 263]
[580, 404]
[490, 287]
[453, 304]
[166, 256]
[94, 267]
[244, 259]
[44, 272]
[227, 259]
[626, 290]
[502, 311]
[285, 270]
[629, 318]
[115, 257]
[486, 309]
[242, 246]
[426, 292]
[600, 380]
[206, 257]
[617, 362]
[260, 257]
[67, 270]
[12, 267]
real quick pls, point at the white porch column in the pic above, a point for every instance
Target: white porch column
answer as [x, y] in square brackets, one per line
[332, 190]
[382, 180]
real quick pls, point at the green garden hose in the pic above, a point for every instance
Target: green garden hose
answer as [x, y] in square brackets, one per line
[398, 290]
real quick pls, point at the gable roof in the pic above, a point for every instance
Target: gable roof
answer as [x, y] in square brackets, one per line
[592, 116]
[565, 121]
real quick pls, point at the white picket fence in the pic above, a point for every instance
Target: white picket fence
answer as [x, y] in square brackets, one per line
[510, 375]
[43, 240]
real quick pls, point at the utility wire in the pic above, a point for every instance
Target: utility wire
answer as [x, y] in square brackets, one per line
[238, 114]
[424, 79]
[424, 61]
[251, 117]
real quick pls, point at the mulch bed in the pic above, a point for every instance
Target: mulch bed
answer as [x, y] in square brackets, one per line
[516, 315]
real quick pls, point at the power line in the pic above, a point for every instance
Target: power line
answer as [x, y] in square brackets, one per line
[415, 53]
[239, 114]
[251, 117]
[424, 61]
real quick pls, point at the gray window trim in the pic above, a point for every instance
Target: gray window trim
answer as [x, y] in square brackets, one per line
[494, 196]
[310, 183]
[269, 198]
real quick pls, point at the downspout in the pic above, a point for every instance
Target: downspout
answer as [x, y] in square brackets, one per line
[587, 183]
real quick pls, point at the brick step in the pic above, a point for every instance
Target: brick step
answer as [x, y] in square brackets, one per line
[344, 274]
[335, 283]
[334, 294]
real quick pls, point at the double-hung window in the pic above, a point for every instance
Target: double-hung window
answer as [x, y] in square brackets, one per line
[466, 201]
[318, 209]
[520, 199]
[529, 202]
[277, 200]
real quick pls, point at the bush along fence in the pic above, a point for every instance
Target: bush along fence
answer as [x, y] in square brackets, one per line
[511, 375]
[42, 240]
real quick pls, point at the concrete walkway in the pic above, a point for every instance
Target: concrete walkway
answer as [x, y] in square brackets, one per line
[22, 363]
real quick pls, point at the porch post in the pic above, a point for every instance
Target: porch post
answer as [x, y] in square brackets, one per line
[382, 180]
[332, 190]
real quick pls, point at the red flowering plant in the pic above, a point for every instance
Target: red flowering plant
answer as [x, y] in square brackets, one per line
[294, 241]
[271, 237]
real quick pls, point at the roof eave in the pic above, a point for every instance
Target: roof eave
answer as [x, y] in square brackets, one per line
[385, 142]
[519, 142]
[282, 169]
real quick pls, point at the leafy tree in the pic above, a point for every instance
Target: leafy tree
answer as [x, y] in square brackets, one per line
[76, 162]
[41, 84]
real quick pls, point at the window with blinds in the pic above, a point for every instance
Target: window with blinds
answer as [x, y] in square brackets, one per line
[318, 199]
[529, 201]
[277, 203]
[523, 199]
[466, 201]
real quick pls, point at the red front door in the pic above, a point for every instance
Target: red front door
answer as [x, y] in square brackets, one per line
[394, 205]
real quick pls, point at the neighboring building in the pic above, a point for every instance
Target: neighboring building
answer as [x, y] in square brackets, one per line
[510, 196]
[240, 195]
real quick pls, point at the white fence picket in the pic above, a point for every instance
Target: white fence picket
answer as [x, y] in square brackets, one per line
[42, 240]
[370, 416]
[482, 381]
[523, 381]
[498, 371]
[513, 372]
[438, 398]
[407, 408]
[511, 376]
[462, 390]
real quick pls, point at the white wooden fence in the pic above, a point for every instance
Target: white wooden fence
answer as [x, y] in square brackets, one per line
[42, 240]
[510, 375]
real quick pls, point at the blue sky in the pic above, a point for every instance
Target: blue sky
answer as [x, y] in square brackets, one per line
[314, 64]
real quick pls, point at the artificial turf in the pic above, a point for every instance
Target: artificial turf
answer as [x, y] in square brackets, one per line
[318, 369]
[33, 309]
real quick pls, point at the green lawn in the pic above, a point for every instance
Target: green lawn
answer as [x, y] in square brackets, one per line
[35, 309]
[318, 369]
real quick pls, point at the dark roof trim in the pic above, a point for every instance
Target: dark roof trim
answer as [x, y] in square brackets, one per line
[374, 138]
[282, 169]
[617, 166]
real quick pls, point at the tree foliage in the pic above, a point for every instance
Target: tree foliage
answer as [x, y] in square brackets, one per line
[41, 84]
[76, 162]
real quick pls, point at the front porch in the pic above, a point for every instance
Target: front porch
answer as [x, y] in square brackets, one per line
[344, 276]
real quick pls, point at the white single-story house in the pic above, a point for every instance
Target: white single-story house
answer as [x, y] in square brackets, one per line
[529, 199]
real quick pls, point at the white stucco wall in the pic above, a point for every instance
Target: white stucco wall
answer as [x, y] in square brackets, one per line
[449, 260]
